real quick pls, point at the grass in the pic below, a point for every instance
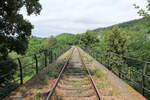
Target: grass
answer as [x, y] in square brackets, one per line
[54, 70]
[76, 84]
[112, 92]
[53, 74]
[79, 90]
[60, 64]
[38, 96]
[98, 73]
[89, 60]
[106, 87]
[26, 78]
[44, 79]
[102, 85]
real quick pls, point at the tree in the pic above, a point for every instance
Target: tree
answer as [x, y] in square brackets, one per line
[35, 45]
[14, 33]
[139, 45]
[49, 43]
[89, 39]
[143, 39]
[116, 47]
[66, 38]
[14, 29]
[144, 12]
[117, 41]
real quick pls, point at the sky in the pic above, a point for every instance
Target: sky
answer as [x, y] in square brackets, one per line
[77, 16]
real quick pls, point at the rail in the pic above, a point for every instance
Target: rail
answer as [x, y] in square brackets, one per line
[91, 79]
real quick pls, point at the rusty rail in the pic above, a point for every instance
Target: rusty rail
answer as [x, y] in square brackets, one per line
[90, 77]
[59, 76]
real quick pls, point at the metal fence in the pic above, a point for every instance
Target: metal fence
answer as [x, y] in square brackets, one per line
[134, 71]
[25, 68]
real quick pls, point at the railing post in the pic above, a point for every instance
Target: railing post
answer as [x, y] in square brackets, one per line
[51, 55]
[119, 72]
[21, 71]
[143, 79]
[101, 59]
[55, 55]
[45, 52]
[109, 67]
[36, 61]
[59, 53]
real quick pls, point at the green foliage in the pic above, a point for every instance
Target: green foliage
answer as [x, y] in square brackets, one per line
[117, 41]
[49, 42]
[137, 34]
[89, 39]
[35, 45]
[143, 12]
[68, 39]
[4, 69]
[53, 74]
[14, 29]
[139, 45]
[98, 73]
[6, 76]
[14, 33]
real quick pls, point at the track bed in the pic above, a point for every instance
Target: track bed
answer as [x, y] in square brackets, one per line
[74, 83]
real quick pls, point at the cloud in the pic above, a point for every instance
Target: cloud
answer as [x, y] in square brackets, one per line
[77, 16]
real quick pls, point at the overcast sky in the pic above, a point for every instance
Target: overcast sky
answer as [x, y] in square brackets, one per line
[77, 16]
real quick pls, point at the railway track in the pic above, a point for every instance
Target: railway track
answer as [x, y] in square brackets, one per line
[74, 81]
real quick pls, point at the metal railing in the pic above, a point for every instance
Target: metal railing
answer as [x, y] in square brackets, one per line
[25, 68]
[134, 71]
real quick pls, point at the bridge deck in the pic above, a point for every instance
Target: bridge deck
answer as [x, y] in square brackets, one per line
[109, 85]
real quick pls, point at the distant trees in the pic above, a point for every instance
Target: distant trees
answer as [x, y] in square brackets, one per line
[49, 42]
[89, 39]
[67, 38]
[35, 45]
